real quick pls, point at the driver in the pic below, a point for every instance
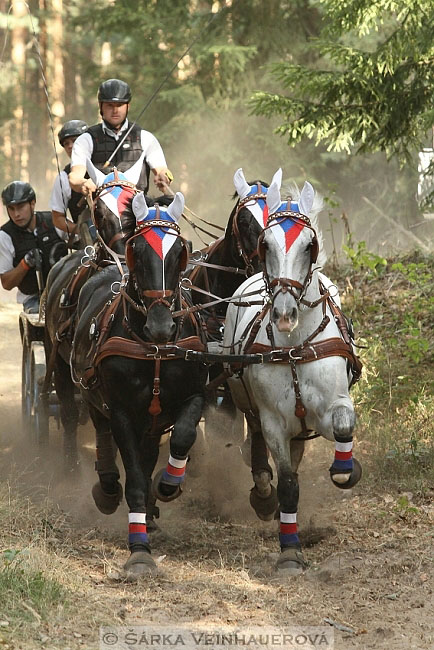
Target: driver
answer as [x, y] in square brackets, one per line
[26, 241]
[101, 140]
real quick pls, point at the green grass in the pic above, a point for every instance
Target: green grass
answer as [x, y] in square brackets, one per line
[26, 594]
[392, 306]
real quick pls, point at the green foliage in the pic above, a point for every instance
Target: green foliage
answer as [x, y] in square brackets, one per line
[362, 259]
[24, 592]
[393, 315]
[374, 89]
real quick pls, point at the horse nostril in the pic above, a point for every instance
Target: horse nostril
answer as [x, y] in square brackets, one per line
[293, 315]
[276, 314]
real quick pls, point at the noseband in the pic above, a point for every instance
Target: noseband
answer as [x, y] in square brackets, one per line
[288, 285]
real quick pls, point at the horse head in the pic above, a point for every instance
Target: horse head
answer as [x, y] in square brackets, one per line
[288, 248]
[249, 218]
[156, 255]
[113, 195]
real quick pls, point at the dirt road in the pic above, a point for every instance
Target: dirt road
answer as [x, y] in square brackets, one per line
[370, 559]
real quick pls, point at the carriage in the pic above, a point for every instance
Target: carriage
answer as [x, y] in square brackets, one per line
[36, 407]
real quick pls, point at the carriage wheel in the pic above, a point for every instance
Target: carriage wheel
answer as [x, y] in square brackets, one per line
[40, 406]
[26, 392]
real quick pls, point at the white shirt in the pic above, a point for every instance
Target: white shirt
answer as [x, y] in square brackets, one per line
[83, 147]
[7, 254]
[61, 193]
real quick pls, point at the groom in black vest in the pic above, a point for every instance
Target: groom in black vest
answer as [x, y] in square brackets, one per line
[27, 241]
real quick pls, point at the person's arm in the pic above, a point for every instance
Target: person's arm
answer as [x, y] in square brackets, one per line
[61, 222]
[15, 276]
[162, 178]
[156, 160]
[81, 151]
[60, 196]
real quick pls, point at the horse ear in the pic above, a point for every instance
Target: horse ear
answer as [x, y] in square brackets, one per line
[277, 178]
[273, 196]
[306, 198]
[176, 208]
[241, 185]
[140, 207]
[95, 174]
[133, 173]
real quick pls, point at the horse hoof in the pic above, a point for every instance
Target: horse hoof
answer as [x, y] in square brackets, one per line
[106, 503]
[350, 480]
[138, 565]
[156, 488]
[290, 563]
[265, 507]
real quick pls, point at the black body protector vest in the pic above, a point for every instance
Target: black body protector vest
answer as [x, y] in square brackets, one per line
[44, 239]
[76, 197]
[129, 153]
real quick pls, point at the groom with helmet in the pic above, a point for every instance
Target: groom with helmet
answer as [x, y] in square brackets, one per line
[63, 198]
[28, 243]
[100, 142]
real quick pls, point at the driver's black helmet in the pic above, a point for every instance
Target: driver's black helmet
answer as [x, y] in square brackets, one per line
[18, 192]
[71, 129]
[114, 90]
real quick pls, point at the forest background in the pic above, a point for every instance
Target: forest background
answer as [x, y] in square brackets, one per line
[347, 84]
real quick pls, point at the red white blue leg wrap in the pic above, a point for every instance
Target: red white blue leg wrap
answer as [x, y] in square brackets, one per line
[343, 461]
[137, 533]
[174, 473]
[288, 529]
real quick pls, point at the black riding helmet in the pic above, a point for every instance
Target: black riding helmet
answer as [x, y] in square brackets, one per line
[72, 129]
[18, 192]
[114, 90]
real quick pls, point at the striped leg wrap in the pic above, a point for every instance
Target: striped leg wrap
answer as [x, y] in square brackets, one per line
[288, 529]
[137, 533]
[174, 473]
[343, 461]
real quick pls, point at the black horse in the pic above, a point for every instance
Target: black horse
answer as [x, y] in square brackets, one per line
[61, 295]
[221, 267]
[218, 271]
[130, 358]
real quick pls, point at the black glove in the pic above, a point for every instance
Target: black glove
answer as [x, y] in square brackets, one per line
[30, 257]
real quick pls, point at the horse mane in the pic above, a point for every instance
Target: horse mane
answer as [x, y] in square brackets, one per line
[292, 190]
[129, 219]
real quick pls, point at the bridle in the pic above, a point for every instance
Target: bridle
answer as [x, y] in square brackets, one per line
[243, 203]
[105, 188]
[288, 285]
[159, 295]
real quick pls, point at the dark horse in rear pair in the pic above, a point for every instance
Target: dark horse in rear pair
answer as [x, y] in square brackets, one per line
[130, 359]
[64, 282]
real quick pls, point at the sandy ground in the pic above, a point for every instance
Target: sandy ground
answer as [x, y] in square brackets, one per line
[370, 562]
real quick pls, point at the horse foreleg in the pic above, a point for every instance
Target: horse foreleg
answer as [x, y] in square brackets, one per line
[291, 560]
[167, 482]
[107, 493]
[263, 495]
[69, 412]
[127, 434]
[345, 470]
